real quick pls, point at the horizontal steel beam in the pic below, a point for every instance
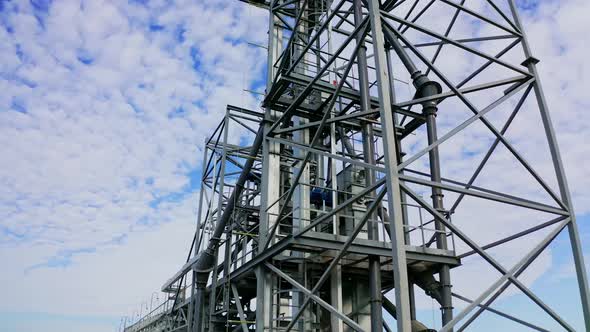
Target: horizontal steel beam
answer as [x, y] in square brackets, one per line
[316, 241]
[475, 193]
[347, 93]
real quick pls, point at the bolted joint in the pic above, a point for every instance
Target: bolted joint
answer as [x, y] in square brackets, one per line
[426, 88]
[438, 196]
[530, 60]
[446, 308]
[419, 80]
[429, 108]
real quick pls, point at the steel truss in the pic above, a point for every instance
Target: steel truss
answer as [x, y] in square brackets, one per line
[309, 226]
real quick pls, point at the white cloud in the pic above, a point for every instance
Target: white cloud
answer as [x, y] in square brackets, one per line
[97, 204]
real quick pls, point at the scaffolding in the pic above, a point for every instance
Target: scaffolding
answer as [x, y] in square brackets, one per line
[313, 210]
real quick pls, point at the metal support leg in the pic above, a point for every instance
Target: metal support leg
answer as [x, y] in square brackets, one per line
[559, 172]
[369, 158]
[269, 188]
[400, 272]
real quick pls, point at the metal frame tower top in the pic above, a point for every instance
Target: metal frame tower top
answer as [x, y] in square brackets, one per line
[377, 176]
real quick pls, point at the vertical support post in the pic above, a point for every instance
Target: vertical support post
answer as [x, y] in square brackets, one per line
[213, 291]
[301, 197]
[336, 275]
[369, 158]
[399, 159]
[270, 190]
[400, 272]
[565, 194]
[301, 217]
[228, 233]
[336, 298]
[191, 306]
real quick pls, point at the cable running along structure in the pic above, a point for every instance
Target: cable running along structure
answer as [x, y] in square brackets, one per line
[376, 179]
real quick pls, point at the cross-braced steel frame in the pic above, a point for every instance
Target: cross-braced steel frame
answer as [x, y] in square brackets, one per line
[321, 215]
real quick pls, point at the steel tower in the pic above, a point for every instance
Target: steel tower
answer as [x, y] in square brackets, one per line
[347, 203]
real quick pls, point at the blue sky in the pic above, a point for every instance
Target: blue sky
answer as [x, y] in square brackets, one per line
[104, 110]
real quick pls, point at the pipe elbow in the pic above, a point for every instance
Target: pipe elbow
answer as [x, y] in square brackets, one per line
[419, 327]
[203, 268]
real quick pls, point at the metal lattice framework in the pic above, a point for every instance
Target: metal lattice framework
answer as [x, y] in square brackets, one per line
[314, 224]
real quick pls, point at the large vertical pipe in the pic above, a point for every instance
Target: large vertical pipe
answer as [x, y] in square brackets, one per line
[198, 307]
[425, 87]
[437, 201]
[369, 158]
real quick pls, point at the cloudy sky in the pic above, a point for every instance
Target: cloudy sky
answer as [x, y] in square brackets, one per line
[103, 112]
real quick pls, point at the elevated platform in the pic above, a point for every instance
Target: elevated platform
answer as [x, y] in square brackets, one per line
[320, 248]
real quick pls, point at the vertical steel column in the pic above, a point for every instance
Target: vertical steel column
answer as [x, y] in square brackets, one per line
[565, 194]
[199, 303]
[301, 197]
[369, 157]
[196, 243]
[400, 272]
[301, 217]
[220, 212]
[336, 298]
[269, 186]
[400, 159]
[429, 109]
